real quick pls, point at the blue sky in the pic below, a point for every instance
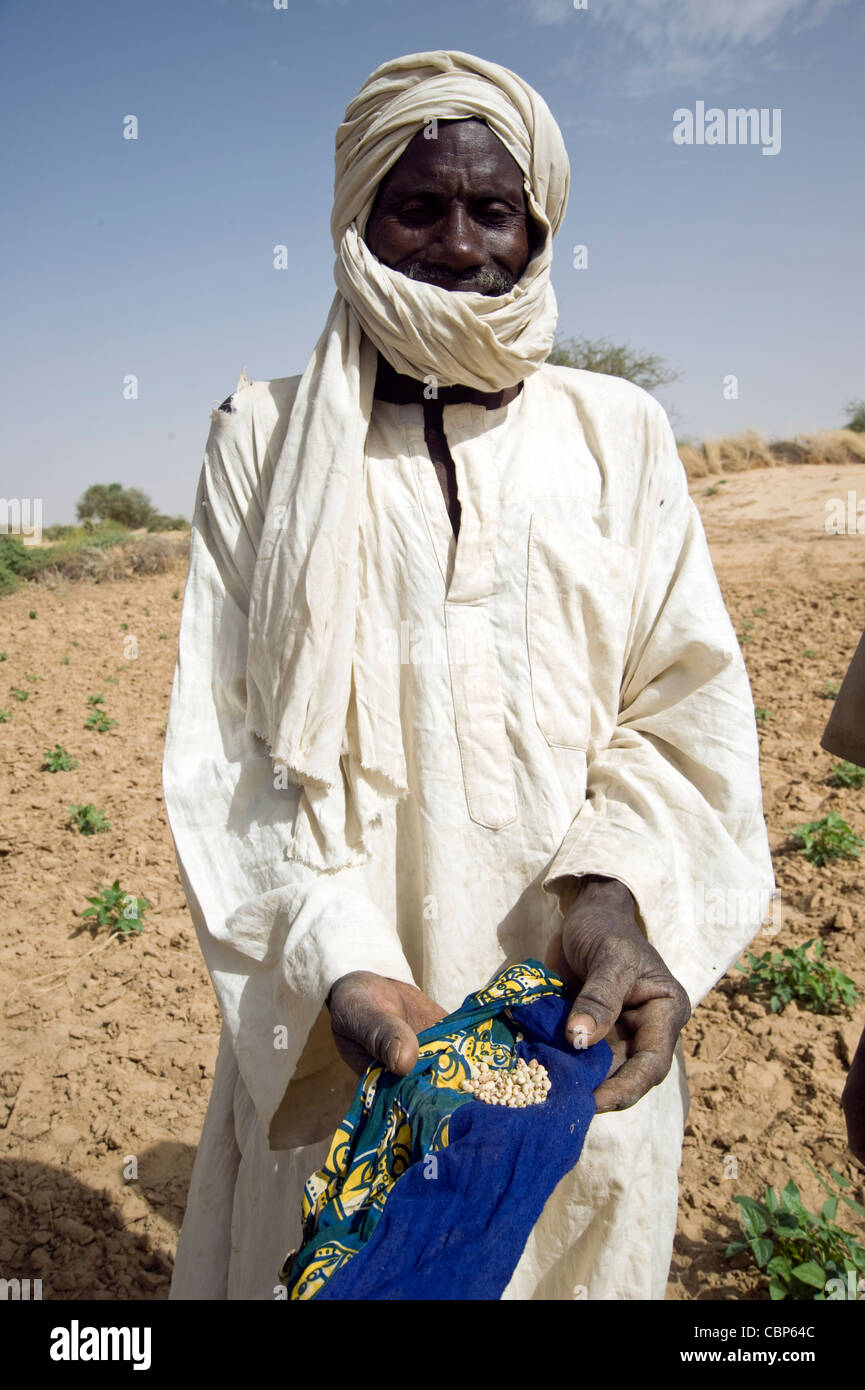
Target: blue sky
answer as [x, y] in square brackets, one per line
[154, 256]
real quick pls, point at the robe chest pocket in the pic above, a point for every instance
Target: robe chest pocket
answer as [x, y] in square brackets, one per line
[579, 596]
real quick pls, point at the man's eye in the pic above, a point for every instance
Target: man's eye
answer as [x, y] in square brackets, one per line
[416, 209]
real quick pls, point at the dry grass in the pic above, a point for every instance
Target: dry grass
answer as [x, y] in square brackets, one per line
[748, 450]
[141, 554]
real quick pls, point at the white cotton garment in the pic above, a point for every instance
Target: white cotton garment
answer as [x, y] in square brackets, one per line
[570, 697]
[310, 656]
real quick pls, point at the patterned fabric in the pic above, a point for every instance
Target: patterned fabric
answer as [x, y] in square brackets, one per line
[407, 1128]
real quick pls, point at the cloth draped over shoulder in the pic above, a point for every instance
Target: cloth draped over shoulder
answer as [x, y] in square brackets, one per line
[327, 711]
[428, 1193]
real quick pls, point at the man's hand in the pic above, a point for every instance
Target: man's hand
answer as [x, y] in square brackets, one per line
[625, 990]
[377, 1019]
[853, 1101]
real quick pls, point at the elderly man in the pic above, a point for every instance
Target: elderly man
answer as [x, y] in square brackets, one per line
[456, 687]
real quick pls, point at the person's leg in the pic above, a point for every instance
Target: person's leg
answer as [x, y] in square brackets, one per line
[204, 1246]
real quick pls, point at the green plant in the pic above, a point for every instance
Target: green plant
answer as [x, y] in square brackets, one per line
[163, 637]
[5, 716]
[831, 690]
[808, 652]
[176, 593]
[711, 491]
[846, 774]
[744, 637]
[97, 719]
[799, 1250]
[32, 612]
[87, 819]
[790, 974]
[762, 714]
[4, 656]
[829, 838]
[58, 760]
[96, 699]
[758, 612]
[856, 411]
[116, 909]
[64, 661]
[20, 695]
[31, 678]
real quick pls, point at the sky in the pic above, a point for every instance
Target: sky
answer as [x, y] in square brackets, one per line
[153, 258]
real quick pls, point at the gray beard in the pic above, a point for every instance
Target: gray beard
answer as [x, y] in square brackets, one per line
[490, 280]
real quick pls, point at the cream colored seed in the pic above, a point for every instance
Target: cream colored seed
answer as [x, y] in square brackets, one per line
[526, 1084]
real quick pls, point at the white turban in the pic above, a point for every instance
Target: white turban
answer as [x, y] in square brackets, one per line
[315, 694]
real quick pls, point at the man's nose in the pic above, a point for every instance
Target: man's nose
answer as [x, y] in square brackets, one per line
[458, 242]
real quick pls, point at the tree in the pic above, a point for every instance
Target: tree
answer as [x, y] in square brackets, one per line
[644, 369]
[112, 502]
[856, 411]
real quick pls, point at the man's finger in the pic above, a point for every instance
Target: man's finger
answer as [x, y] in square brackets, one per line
[391, 1041]
[651, 1055]
[597, 1006]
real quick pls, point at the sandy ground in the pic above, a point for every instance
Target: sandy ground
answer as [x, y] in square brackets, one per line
[107, 1050]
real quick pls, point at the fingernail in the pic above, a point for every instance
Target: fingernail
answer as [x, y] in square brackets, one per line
[392, 1055]
[580, 1039]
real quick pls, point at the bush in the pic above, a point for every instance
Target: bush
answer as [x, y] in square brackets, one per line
[790, 974]
[799, 1250]
[614, 359]
[856, 411]
[113, 502]
[826, 839]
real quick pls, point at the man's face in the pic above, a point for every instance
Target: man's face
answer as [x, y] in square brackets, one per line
[452, 212]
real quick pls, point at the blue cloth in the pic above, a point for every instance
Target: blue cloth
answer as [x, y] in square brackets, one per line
[429, 1194]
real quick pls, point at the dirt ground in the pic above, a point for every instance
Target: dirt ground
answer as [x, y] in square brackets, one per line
[107, 1046]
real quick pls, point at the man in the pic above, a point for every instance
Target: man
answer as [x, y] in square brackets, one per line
[453, 663]
[844, 736]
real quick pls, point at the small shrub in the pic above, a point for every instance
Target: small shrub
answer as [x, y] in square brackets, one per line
[58, 760]
[88, 819]
[4, 656]
[64, 661]
[826, 839]
[790, 974]
[96, 699]
[97, 719]
[831, 690]
[32, 612]
[762, 714]
[799, 1250]
[846, 774]
[5, 716]
[117, 910]
[20, 695]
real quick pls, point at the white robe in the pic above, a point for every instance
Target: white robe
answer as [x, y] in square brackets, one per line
[573, 700]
